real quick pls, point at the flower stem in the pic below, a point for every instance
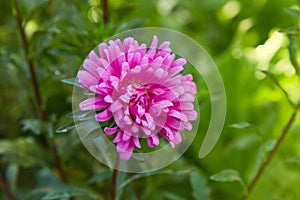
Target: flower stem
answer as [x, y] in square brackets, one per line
[6, 189]
[271, 154]
[105, 11]
[113, 184]
[37, 95]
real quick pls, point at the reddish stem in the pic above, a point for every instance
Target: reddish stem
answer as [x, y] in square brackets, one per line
[272, 153]
[6, 189]
[105, 11]
[37, 95]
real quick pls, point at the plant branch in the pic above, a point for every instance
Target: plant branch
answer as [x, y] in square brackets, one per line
[6, 189]
[114, 178]
[37, 95]
[105, 11]
[272, 153]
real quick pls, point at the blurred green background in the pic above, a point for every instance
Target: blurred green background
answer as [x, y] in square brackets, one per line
[243, 37]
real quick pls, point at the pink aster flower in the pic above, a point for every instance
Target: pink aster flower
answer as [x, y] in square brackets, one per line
[141, 90]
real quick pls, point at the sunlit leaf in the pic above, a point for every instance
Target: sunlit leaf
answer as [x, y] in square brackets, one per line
[276, 82]
[240, 125]
[262, 152]
[199, 186]
[291, 30]
[227, 175]
[293, 52]
[293, 12]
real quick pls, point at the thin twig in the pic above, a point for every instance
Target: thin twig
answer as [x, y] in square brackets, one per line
[272, 153]
[37, 95]
[6, 189]
[105, 11]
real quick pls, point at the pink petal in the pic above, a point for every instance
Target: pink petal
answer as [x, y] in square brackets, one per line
[117, 105]
[152, 49]
[103, 116]
[93, 103]
[110, 131]
[119, 137]
[136, 141]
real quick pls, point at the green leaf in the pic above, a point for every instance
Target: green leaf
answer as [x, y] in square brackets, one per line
[291, 30]
[262, 152]
[22, 151]
[79, 114]
[68, 192]
[293, 52]
[240, 125]
[295, 160]
[172, 196]
[199, 186]
[99, 177]
[12, 175]
[227, 175]
[66, 127]
[120, 179]
[298, 2]
[34, 125]
[293, 12]
[70, 126]
[71, 81]
[276, 82]
[161, 172]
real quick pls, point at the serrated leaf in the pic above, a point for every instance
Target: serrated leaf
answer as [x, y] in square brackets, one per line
[240, 125]
[227, 175]
[293, 12]
[199, 186]
[71, 81]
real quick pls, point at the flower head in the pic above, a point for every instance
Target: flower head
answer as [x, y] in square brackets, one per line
[141, 90]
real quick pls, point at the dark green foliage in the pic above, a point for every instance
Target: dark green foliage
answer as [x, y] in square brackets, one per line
[262, 87]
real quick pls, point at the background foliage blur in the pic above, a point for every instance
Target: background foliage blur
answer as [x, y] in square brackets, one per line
[243, 37]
